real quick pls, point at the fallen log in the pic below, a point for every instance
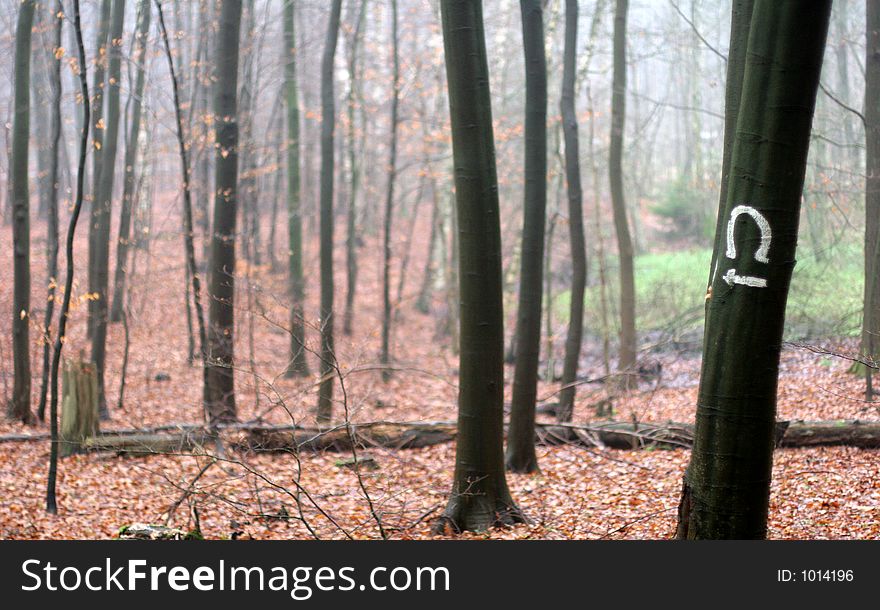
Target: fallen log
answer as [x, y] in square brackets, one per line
[414, 435]
[147, 444]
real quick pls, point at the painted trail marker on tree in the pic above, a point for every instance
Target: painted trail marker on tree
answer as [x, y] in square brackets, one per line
[761, 254]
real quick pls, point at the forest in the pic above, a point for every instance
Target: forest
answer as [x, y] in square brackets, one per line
[439, 269]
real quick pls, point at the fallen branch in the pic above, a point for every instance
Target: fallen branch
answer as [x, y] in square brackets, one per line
[413, 435]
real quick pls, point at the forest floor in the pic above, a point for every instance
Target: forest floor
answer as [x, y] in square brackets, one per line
[580, 493]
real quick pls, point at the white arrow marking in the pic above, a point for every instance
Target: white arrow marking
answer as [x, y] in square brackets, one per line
[743, 280]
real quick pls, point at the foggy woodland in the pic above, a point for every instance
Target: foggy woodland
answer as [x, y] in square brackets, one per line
[556, 269]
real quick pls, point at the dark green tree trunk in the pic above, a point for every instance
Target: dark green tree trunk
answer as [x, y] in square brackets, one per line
[328, 124]
[727, 485]
[52, 205]
[101, 211]
[871, 311]
[385, 357]
[352, 238]
[627, 351]
[740, 22]
[298, 365]
[51, 504]
[123, 241]
[575, 216]
[219, 391]
[521, 435]
[20, 406]
[98, 131]
[480, 497]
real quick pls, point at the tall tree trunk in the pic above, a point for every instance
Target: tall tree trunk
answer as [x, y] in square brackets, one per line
[328, 124]
[871, 312]
[101, 211]
[480, 497]
[297, 365]
[385, 357]
[841, 52]
[51, 504]
[20, 406]
[740, 23]
[123, 241]
[627, 352]
[726, 488]
[98, 130]
[521, 435]
[352, 238]
[192, 274]
[52, 206]
[219, 391]
[575, 216]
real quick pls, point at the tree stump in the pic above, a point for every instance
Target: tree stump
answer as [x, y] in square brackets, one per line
[79, 405]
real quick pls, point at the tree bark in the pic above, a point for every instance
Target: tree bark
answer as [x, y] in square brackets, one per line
[740, 21]
[51, 502]
[352, 238]
[52, 207]
[521, 439]
[123, 241]
[189, 231]
[298, 365]
[575, 216]
[20, 406]
[385, 356]
[98, 130]
[871, 311]
[480, 497]
[727, 485]
[328, 124]
[103, 204]
[219, 390]
[627, 354]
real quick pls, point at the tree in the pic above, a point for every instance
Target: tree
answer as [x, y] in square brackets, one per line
[627, 355]
[521, 435]
[219, 390]
[385, 357]
[51, 504]
[351, 239]
[20, 406]
[103, 203]
[727, 484]
[480, 497]
[740, 22]
[575, 216]
[98, 129]
[123, 241]
[188, 229]
[52, 206]
[871, 311]
[328, 124]
[297, 365]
